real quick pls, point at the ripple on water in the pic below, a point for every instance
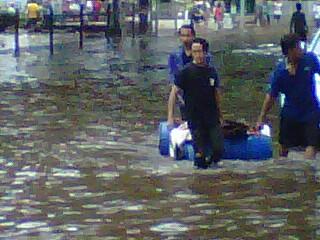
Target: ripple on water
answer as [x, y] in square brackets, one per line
[187, 196]
[133, 231]
[7, 208]
[66, 173]
[172, 227]
[87, 194]
[108, 175]
[30, 225]
[134, 208]
[29, 174]
[7, 224]
[192, 219]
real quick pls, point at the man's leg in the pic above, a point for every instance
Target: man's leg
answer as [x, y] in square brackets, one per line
[198, 145]
[216, 142]
[290, 135]
[311, 136]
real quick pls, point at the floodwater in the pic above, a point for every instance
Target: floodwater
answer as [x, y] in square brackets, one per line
[79, 158]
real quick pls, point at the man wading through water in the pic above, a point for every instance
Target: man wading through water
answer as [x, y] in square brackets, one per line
[295, 78]
[176, 62]
[200, 84]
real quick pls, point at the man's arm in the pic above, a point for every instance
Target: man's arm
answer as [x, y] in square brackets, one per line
[171, 104]
[218, 102]
[266, 107]
[172, 66]
[315, 64]
[273, 92]
[178, 83]
[216, 88]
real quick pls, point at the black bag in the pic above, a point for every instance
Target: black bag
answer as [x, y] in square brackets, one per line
[232, 129]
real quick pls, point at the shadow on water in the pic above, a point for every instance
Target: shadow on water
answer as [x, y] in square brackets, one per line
[79, 153]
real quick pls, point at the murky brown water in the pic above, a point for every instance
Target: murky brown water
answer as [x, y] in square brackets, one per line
[81, 162]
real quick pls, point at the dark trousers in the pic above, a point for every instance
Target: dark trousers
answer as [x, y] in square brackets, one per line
[31, 22]
[293, 133]
[46, 21]
[208, 144]
[268, 19]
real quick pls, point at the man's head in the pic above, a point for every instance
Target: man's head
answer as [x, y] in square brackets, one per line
[199, 49]
[298, 6]
[291, 48]
[186, 35]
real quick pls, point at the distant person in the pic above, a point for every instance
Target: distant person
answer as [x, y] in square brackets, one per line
[298, 23]
[277, 12]
[108, 10]
[299, 118]
[97, 5]
[258, 19]
[46, 8]
[33, 13]
[218, 15]
[143, 15]
[233, 10]
[177, 60]
[200, 83]
[267, 11]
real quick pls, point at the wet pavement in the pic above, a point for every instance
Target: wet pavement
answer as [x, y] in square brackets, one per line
[79, 158]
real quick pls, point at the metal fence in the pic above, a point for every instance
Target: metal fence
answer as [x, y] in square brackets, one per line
[102, 22]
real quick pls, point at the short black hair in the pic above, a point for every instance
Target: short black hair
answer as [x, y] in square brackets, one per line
[298, 6]
[289, 41]
[203, 42]
[188, 26]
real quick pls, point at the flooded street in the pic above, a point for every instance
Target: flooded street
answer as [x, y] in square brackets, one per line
[79, 156]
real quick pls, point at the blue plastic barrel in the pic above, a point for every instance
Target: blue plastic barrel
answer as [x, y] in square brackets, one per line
[164, 139]
[188, 151]
[253, 147]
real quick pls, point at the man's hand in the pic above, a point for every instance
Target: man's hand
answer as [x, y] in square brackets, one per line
[171, 104]
[267, 105]
[261, 121]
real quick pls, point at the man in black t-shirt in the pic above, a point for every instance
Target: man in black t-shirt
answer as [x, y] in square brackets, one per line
[200, 84]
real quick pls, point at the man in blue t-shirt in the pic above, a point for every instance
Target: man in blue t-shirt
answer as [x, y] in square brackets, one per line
[299, 123]
[200, 84]
[176, 62]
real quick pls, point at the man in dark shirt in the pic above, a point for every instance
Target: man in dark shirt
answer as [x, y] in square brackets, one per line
[176, 62]
[299, 123]
[200, 83]
[299, 24]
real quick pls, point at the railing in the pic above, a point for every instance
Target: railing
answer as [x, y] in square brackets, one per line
[79, 26]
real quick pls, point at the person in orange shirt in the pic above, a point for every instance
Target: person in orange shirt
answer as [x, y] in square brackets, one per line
[33, 11]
